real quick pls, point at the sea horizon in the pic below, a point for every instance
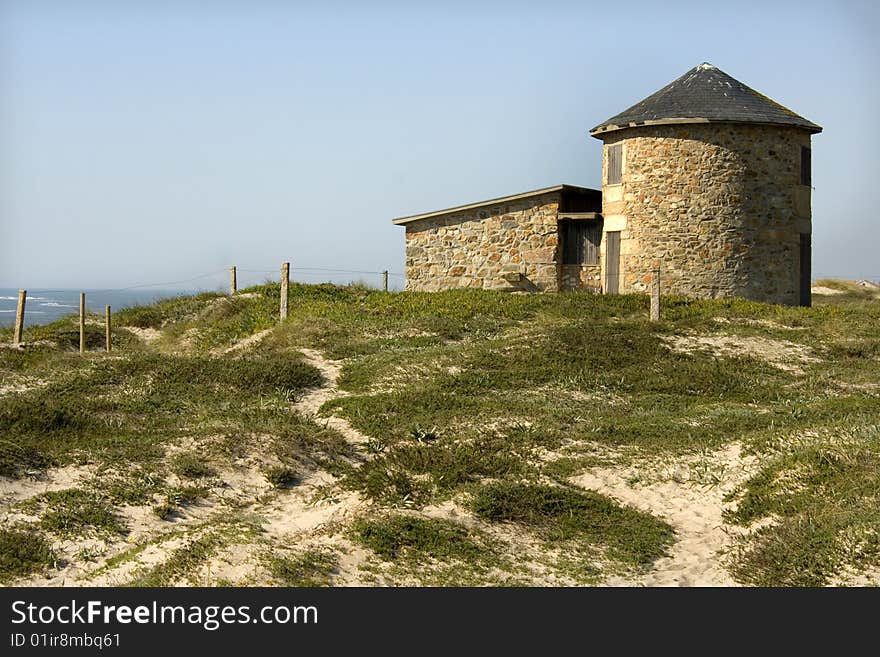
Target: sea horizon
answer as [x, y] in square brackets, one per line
[46, 305]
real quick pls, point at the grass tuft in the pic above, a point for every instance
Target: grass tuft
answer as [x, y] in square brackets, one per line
[310, 569]
[75, 512]
[823, 491]
[191, 466]
[418, 539]
[281, 476]
[565, 514]
[22, 552]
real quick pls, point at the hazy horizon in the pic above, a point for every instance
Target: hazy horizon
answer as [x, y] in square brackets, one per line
[145, 143]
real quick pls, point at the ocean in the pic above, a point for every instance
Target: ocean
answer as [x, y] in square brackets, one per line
[45, 306]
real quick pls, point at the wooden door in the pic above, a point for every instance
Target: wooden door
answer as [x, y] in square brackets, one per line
[612, 262]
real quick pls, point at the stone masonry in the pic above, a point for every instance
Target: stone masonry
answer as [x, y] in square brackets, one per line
[512, 245]
[500, 247]
[580, 277]
[711, 184]
[721, 207]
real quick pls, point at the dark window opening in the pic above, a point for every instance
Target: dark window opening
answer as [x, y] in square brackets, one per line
[806, 257]
[806, 166]
[580, 200]
[615, 164]
[580, 242]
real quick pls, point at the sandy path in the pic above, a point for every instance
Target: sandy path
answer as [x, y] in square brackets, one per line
[827, 291]
[16, 490]
[785, 355]
[290, 519]
[694, 510]
[314, 398]
[299, 517]
[244, 343]
[147, 335]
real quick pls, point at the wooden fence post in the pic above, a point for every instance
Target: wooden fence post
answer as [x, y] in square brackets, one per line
[655, 292]
[285, 285]
[19, 318]
[233, 281]
[385, 280]
[82, 322]
[107, 327]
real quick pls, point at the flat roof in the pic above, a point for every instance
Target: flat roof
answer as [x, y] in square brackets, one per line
[492, 201]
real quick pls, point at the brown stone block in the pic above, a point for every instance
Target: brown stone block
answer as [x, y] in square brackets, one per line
[539, 255]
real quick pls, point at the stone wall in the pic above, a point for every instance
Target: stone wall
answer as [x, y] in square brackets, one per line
[508, 246]
[580, 277]
[719, 205]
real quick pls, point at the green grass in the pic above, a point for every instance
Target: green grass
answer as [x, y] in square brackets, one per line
[464, 387]
[281, 476]
[64, 334]
[823, 491]
[191, 466]
[76, 512]
[22, 552]
[311, 568]
[123, 411]
[165, 510]
[537, 379]
[177, 498]
[186, 495]
[414, 474]
[166, 311]
[197, 549]
[182, 562]
[135, 485]
[558, 514]
[852, 292]
[415, 539]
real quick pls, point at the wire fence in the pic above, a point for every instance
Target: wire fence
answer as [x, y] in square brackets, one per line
[60, 302]
[44, 305]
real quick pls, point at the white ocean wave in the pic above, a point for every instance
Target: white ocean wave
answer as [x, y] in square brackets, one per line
[29, 298]
[54, 304]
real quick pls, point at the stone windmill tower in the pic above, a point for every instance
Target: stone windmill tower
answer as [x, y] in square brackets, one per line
[712, 179]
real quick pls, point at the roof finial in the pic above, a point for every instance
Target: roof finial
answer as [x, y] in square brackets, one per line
[705, 65]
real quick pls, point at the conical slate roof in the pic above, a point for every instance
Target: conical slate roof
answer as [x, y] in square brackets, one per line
[704, 93]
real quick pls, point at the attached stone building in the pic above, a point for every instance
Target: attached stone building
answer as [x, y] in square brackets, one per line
[510, 243]
[706, 178]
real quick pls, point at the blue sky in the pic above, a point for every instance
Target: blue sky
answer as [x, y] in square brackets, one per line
[155, 141]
